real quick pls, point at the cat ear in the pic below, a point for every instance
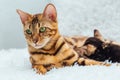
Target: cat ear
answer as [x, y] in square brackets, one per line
[23, 15]
[98, 35]
[50, 12]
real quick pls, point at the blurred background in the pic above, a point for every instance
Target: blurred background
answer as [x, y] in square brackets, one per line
[79, 17]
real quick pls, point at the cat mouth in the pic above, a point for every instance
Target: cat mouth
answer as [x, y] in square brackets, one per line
[38, 46]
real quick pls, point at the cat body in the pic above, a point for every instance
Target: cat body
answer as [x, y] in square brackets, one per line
[46, 46]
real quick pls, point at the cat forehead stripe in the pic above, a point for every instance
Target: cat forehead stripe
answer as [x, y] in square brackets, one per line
[35, 20]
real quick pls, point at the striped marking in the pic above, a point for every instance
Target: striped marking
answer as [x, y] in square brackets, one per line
[69, 57]
[59, 48]
[33, 53]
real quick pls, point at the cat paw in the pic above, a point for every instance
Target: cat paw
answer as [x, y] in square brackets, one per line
[40, 69]
[106, 64]
[66, 63]
[58, 65]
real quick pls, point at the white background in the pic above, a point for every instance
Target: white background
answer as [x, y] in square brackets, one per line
[11, 34]
[76, 17]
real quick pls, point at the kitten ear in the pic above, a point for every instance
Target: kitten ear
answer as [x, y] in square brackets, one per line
[23, 15]
[50, 12]
[97, 34]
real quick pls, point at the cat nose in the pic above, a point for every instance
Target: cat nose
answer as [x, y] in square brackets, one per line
[35, 40]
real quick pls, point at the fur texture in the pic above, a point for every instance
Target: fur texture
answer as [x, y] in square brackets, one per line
[46, 46]
[103, 49]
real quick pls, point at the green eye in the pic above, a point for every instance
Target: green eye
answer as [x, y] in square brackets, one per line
[28, 31]
[42, 29]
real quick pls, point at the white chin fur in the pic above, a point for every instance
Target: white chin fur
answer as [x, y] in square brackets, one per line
[41, 45]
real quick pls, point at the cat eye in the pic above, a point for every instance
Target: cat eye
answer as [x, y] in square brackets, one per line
[42, 29]
[28, 31]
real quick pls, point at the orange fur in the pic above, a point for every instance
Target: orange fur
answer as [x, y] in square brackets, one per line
[46, 46]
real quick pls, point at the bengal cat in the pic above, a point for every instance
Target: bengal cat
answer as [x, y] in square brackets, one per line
[46, 46]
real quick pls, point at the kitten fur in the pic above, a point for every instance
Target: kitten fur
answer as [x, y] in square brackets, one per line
[103, 49]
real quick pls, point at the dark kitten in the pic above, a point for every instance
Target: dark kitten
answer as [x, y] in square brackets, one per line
[102, 50]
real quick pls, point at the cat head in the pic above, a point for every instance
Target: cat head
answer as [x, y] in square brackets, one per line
[39, 29]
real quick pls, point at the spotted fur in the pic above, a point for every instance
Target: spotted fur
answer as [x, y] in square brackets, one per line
[46, 46]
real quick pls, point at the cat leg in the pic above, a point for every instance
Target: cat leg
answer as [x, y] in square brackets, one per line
[38, 67]
[70, 60]
[83, 61]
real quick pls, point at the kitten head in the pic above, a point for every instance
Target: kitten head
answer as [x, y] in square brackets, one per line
[94, 43]
[39, 29]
